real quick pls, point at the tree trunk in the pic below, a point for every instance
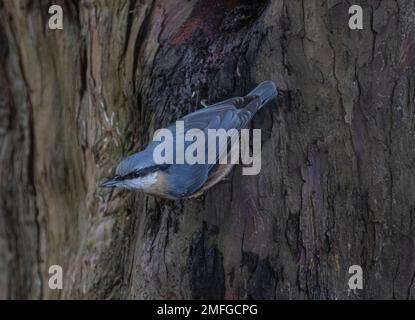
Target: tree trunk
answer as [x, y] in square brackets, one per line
[337, 184]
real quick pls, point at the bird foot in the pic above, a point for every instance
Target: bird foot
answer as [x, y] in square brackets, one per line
[204, 103]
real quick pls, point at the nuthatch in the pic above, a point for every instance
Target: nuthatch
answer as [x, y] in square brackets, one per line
[174, 181]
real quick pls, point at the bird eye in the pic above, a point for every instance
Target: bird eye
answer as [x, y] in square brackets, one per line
[131, 175]
[137, 174]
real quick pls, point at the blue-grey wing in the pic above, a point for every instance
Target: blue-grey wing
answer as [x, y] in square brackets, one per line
[222, 116]
[184, 180]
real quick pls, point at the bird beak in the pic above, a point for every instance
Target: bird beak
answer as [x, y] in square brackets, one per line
[110, 183]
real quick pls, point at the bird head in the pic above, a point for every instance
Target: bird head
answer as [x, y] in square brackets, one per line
[138, 172]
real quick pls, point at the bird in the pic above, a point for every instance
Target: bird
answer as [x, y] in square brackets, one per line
[173, 181]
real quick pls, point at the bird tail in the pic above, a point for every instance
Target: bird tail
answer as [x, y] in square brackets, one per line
[266, 91]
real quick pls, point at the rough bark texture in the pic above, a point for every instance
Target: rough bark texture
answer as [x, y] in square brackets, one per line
[337, 185]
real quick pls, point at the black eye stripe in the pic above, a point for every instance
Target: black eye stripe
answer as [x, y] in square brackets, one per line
[143, 172]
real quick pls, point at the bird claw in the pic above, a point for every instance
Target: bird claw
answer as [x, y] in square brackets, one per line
[204, 103]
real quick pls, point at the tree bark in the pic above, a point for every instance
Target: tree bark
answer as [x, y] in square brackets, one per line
[336, 187]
